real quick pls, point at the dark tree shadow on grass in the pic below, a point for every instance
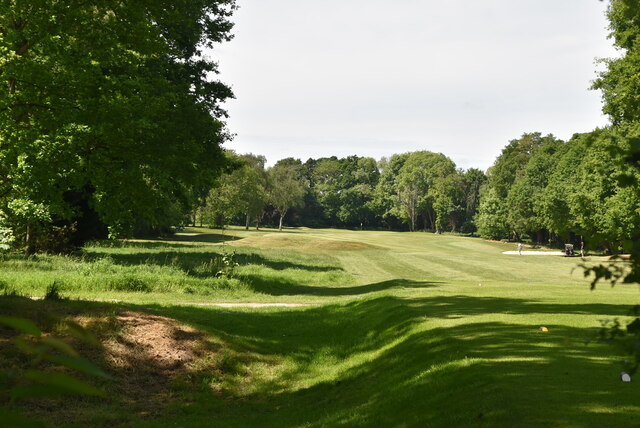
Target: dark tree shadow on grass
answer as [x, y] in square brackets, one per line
[150, 245]
[212, 238]
[286, 287]
[172, 241]
[472, 373]
[428, 362]
[202, 264]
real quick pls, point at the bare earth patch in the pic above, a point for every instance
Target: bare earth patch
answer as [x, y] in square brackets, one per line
[148, 355]
[154, 362]
[154, 340]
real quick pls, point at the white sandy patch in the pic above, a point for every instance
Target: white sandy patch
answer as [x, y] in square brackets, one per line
[535, 253]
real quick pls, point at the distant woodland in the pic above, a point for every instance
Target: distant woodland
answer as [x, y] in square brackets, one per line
[540, 189]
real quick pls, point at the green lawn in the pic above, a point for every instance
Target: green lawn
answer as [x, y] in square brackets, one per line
[403, 329]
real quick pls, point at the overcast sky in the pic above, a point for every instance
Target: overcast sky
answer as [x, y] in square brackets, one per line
[373, 77]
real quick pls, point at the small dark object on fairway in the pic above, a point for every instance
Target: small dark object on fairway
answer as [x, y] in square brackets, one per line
[568, 250]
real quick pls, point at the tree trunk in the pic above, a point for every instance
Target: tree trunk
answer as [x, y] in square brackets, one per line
[258, 220]
[430, 217]
[282, 214]
[28, 241]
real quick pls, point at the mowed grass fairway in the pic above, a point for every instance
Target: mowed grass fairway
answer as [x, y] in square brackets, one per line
[401, 329]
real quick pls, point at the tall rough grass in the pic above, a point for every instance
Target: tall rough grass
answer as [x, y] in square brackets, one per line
[157, 267]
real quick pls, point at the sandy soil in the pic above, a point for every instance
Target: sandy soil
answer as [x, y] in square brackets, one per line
[535, 253]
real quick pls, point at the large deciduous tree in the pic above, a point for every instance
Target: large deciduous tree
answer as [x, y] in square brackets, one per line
[287, 186]
[474, 179]
[241, 191]
[416, 187]
[511, 201]
[620, 85]
[108, 112]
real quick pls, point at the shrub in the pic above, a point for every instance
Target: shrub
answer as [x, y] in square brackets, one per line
[53, 291]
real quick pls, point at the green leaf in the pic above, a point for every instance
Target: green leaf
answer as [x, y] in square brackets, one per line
[60, 346]
[26, 347]
[68, 384]
[77, 363]
[81, 333]
[21, 324]
[16, 420]
[37, 391]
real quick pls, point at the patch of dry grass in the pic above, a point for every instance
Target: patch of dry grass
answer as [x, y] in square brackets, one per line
[154, 361]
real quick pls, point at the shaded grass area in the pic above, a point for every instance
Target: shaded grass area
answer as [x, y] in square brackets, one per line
[439, 360]
[385, 361]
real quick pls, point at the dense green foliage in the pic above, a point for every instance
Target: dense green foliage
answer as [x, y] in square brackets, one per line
[621, 96]
[286, 187]
[107, 115]
[417, 190]
[553, 191]
[240, 192]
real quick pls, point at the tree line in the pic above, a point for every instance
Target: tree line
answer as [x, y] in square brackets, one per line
[409, 191]
[540, 188]
[547, 190]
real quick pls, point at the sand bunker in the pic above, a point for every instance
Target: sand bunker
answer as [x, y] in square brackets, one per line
[535, 253]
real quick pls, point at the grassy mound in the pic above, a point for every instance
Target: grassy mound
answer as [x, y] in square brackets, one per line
[302, 243]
